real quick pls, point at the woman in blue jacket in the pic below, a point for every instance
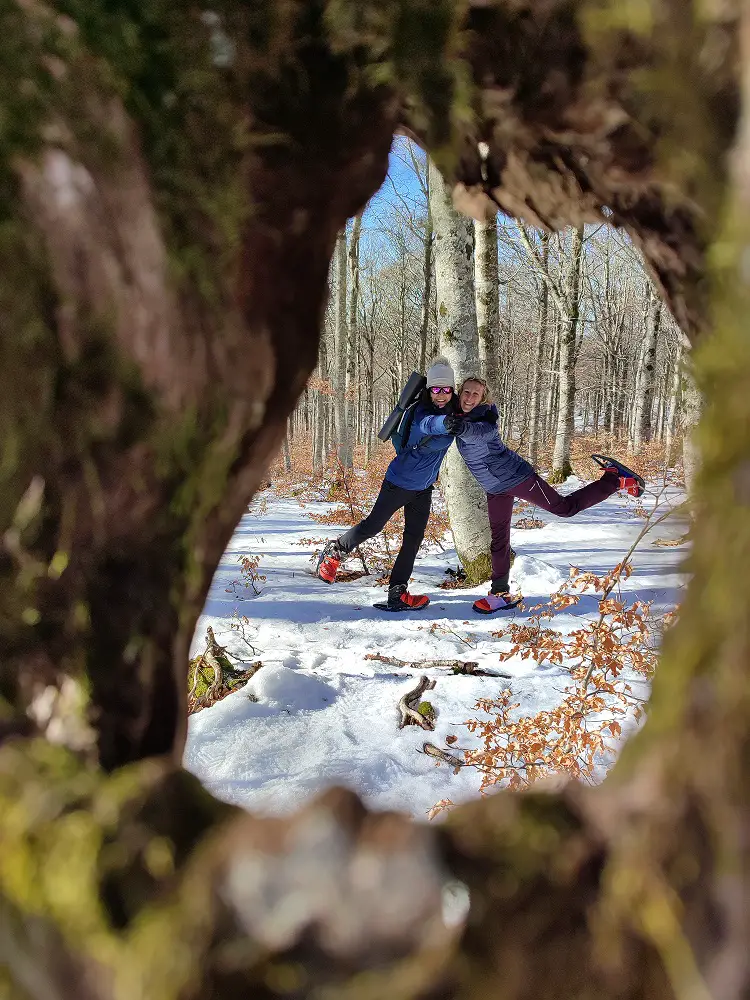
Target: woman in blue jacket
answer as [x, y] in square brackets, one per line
[408, 483]
[505, 475]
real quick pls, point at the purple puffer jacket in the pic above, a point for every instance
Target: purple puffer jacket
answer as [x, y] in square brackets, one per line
[494, 465]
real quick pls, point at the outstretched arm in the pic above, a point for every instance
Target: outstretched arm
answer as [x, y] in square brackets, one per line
[433, 424]
[474, 429]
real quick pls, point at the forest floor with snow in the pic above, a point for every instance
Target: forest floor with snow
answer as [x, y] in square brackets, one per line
[327, 715]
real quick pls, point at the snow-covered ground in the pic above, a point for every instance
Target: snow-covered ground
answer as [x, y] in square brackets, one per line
[326, 715]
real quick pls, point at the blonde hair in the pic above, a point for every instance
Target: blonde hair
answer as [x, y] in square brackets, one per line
[486, 398]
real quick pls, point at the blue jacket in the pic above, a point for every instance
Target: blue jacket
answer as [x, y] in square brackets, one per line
[418, 465]
[495, 467]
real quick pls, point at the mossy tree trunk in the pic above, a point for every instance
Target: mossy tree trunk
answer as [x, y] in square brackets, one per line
[160, 301]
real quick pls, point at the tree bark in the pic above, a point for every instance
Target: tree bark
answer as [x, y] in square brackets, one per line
[674, 401]
[541, 347]
[352, 344]
[644, 394]
[487, 302]
[459, 342]
[692, 404]
[561, 467]
[427, 269]
[341, 351]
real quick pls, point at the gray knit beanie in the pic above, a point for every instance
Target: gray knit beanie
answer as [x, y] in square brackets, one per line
[441, 374]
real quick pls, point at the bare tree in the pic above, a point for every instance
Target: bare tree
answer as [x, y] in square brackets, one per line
[692, 405]
[341, 353]
[568, 304]
[541, 345]
[673, 404]
[645, 385]
[459, 342]
[352, 341]
[487, 299]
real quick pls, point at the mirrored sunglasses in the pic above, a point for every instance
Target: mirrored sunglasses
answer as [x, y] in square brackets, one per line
[436, 390]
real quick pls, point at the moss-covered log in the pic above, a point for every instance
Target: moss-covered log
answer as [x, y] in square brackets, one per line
[170, 189]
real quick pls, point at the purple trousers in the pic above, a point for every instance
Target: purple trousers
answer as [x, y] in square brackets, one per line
[539, 492]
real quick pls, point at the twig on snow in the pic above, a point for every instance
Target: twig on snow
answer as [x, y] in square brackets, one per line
[406, 706]
[455, 762]
[457, 666]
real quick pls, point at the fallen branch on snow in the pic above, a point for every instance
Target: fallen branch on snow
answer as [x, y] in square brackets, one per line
[220, 686]
[457, 666]
[455, 762]
[407, 706]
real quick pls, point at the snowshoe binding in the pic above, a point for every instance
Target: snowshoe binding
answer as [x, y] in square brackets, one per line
[399, 599]
[329, 562]
[493, 603]
[630, 482]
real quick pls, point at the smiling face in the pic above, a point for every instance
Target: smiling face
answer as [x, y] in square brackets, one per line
[472, 394]
[441, 395]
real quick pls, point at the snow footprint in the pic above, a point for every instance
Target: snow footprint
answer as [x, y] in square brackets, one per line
[312, 661]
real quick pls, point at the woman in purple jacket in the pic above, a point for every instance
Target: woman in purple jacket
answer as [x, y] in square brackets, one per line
[505, 475]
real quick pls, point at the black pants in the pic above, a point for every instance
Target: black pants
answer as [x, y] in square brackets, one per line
[416, 504]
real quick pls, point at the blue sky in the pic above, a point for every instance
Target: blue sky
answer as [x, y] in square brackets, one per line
[401, 183]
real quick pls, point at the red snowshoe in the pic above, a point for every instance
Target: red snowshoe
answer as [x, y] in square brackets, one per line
[630, 481]
[399, 599]
[496, 602]
[328, 563]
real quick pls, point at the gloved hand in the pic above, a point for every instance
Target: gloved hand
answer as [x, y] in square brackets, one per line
[454, 423]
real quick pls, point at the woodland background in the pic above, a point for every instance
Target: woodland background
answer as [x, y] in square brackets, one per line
[578, 349]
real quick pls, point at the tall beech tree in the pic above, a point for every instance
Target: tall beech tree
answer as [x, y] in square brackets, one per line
[487, 298]
[161, 297]
[465, 499]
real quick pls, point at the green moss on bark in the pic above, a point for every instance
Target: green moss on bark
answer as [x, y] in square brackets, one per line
[477, 570]
[427, 710]
[558, 476]
[94, 862]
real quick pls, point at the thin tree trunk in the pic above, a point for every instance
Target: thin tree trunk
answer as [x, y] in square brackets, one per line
[459, 342]
[321, 407]
[630, 413]
[561, 467]
[352, 342]
[370, 433]
[541, 344]
[554, 378]
[614, 400]
[644, 390]
[691, 411]
[318, 432]
[341, 340]
[427, 269]
[487, 301]
[674, 402]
